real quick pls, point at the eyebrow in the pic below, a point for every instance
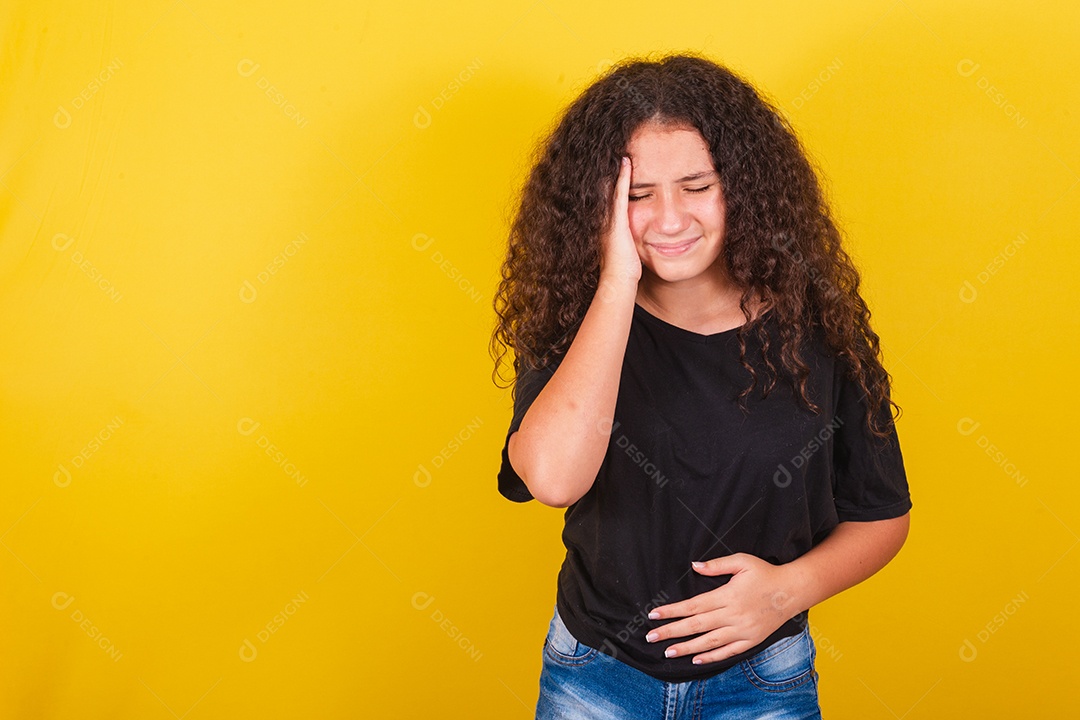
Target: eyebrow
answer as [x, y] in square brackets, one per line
[688, 178]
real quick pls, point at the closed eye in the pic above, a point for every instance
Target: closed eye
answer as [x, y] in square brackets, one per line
[702, 189]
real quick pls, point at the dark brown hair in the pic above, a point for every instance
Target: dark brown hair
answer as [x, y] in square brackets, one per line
[779, 240]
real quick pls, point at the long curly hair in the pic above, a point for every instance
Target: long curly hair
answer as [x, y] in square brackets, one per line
[780, 241]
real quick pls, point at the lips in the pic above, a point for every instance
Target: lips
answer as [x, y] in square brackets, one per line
[672, 246]
[675, 248]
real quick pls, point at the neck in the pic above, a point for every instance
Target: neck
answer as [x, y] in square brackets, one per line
[694, 301]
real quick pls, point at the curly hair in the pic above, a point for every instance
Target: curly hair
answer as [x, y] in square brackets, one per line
[780, 241]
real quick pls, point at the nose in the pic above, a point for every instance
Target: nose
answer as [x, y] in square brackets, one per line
[671, 217]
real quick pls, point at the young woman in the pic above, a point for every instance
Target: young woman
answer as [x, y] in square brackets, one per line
[698, 384]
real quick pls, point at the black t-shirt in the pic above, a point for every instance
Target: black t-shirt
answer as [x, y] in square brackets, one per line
[687, 476]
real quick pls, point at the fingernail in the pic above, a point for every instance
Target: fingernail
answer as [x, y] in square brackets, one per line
[651, 637]
[654, 615]
[670, 652]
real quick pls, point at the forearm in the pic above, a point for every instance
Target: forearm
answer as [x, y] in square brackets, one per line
[562, 440]
[852, 552]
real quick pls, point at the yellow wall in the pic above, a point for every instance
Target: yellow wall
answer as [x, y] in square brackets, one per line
[248, 434]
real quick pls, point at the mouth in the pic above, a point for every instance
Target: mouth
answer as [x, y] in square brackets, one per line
[672, 249]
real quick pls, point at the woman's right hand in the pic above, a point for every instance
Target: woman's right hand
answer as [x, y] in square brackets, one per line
[619, 256]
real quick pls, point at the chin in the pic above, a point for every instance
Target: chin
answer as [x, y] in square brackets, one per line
[673, 274]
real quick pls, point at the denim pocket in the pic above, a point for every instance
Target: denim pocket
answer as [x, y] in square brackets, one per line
[786, 664]
[562, 647]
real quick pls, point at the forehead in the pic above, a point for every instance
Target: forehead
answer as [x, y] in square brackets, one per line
[664, 148]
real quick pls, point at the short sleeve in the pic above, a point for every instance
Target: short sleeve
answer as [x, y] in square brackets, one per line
[869, 481]
[528, 387]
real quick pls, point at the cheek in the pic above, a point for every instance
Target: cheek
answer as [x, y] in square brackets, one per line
[713, 213]
[638, 218]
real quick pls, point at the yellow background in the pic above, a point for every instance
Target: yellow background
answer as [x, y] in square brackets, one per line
[249, 435]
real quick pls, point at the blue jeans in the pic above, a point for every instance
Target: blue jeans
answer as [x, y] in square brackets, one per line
[578, 682]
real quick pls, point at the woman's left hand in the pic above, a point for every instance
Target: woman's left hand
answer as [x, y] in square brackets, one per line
[733, 617]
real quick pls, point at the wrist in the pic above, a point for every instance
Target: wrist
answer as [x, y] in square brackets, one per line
[616, 286]
[800, 588]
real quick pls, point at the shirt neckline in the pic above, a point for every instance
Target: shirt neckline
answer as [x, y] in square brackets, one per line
[683, 332]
